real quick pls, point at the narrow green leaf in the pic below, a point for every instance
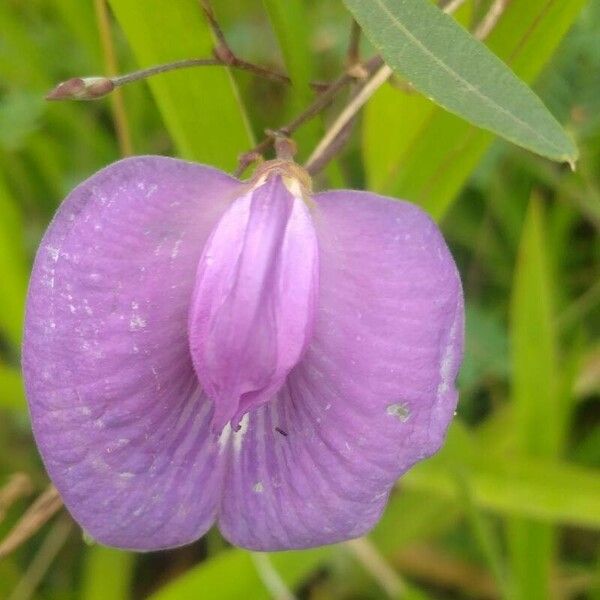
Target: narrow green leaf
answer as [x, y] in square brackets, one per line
[398, 108]
[108, 573]
[13, 267]
[213, 578]
[12, 394]
[534, 390]
[432, 152]
[483, 533]
[511, 486]
[290, 21]
[447, 64]
[538, 419]
[486, 348]
[200, 107]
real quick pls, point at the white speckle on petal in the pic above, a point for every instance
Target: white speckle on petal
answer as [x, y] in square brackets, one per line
[447, 363]
[241, 432]
[54, 253]
[136, 323]
[224, 437]
[400, 410]
[258, 487]
[176, 247]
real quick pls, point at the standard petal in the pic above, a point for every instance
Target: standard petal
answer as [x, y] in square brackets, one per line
[253, 307]
[374, 392]
[117, 413]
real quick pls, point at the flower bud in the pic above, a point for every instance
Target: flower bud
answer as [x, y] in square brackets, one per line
[82, 88]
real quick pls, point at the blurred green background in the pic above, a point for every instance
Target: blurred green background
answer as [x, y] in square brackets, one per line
[510, 508]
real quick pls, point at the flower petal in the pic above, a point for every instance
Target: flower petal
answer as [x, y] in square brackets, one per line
[254, 301]
[374, 392]
[117, 412]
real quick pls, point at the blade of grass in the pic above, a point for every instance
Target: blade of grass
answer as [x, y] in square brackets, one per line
[483, 534]
[12, 394]
[290, 21]
[513, 486]
[213, 578]
[13, 268]
[201, 108]
[538, 422]
[108, 573]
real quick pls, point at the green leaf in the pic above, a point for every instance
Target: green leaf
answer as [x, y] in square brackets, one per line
[534, 390]
[483, 533]
[232, 575]
[447, 64]
[108, 573]
[12, 394]
[486, 348]
[538, 418]
[290, 22]
[512, 486]
[200, 107]
[13, 268]
[432, 152]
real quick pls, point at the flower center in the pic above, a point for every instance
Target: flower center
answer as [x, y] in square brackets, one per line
[255, 295]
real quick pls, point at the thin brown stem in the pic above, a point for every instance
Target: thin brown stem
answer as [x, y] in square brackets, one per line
[346, 117]
[18, 486]
[228, 57]
[46, 505]
[353, 53]
[158, 69]
[452, 6]
[94, 87]
[317, 106]
[209, 13]
[119, 113]
[491, 18]
[43, 559]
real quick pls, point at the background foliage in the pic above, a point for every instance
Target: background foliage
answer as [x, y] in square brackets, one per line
[511, 506]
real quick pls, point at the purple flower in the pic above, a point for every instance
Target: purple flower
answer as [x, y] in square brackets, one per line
[202, 350]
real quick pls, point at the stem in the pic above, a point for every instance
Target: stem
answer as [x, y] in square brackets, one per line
[370, 558]
[346, 116]
[19, 485]
[157, 69]
[228, 57]
[91, 88]
[36, 515]
[492, 17]
[37, 569]
[353, 53]
[117, 103]
[318, 105]
[270, 577]
[213, 23]
[453, 5]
